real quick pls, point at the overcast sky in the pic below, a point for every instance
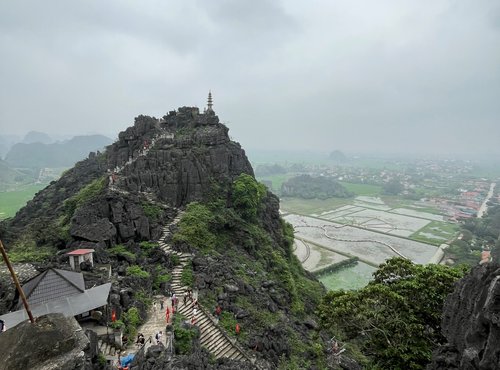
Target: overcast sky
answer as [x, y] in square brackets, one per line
[381, 76]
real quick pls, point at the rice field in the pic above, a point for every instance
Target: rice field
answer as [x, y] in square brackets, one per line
[349, 278]
[12, 201]
[365, 227]
[368, 245]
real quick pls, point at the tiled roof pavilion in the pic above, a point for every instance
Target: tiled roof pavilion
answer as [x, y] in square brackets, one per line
[51, 285]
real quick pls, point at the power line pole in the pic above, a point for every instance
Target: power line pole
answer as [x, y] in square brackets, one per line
[16, 281]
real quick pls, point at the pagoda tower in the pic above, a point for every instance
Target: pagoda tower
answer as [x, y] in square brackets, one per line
[210, 102]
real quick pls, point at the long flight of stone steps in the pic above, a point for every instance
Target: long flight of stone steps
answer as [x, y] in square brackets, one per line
[211, 335]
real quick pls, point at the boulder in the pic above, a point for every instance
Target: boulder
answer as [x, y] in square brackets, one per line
[52, 342]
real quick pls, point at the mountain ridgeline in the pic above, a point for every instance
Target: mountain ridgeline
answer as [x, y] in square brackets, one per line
[183, 165]
[40, 153]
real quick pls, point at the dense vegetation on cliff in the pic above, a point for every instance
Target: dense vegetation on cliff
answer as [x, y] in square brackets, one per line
[244, 263]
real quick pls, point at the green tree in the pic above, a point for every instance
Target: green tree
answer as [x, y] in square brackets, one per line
[396, 318]
[195, 227]
[392, 188]
[247, 195]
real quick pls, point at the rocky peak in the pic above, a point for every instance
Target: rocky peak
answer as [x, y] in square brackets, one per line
[175, 158]
[471, 323]
[171, 161]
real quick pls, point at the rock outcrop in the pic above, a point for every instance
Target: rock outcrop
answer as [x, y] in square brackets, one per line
[191, 152]
[170, 161]
[156, 358]
[53, 342]
[471, 323]
[128, 193]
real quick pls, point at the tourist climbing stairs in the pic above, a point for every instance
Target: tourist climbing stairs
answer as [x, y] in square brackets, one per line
[212, 336]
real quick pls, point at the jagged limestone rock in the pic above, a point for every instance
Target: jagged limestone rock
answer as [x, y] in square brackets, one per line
[54, 342]
[471, 323]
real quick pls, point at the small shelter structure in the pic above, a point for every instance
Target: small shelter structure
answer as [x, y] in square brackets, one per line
[78, 256]
[59, 291]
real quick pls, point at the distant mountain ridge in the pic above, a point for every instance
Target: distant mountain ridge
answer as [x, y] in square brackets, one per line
[60, 154]
[9, 175]
[37, 137]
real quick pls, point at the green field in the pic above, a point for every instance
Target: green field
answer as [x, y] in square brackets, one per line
[362, 189]
[354, 277]
[12, 201]
[308, 206]
[436, 232]
[316, 206]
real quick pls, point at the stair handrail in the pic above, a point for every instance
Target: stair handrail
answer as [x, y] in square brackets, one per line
[233, 341]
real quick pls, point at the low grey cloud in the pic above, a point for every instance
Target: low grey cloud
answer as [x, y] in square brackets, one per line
[386, 76]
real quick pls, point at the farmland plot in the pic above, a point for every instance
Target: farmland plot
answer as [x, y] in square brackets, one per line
[365, 244]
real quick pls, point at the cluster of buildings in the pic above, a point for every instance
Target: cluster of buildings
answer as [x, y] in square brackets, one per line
[444, 184]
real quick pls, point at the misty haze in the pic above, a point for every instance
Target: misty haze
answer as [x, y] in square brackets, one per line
[262, 184]
[391, 77]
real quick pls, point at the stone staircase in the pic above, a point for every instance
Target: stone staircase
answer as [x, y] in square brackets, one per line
[108, 350]
[212, 336]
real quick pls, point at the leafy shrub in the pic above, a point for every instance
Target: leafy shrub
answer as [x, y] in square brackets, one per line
[148, 245]
[27, 251]
[118, 324]
[228, 322]
[136, 271]
[175, 259]
[143, 297]
[101, 360]
[132, 317]
[161, 276]
[152, 211]
[194, 227]
[132, 320]
[120, 250]
[403, 303]
[183, 336]
[187, 277]
[247, 195]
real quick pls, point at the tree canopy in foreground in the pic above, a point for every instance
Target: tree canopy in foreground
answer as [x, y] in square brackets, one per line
[394, 320]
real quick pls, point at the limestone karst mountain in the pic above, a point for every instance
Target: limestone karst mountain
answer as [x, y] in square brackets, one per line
[184, 167]
[172, 160]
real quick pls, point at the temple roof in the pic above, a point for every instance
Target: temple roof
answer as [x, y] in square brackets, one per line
[52, 284]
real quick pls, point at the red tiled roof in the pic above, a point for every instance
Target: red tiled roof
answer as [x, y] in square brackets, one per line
[79, 252]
